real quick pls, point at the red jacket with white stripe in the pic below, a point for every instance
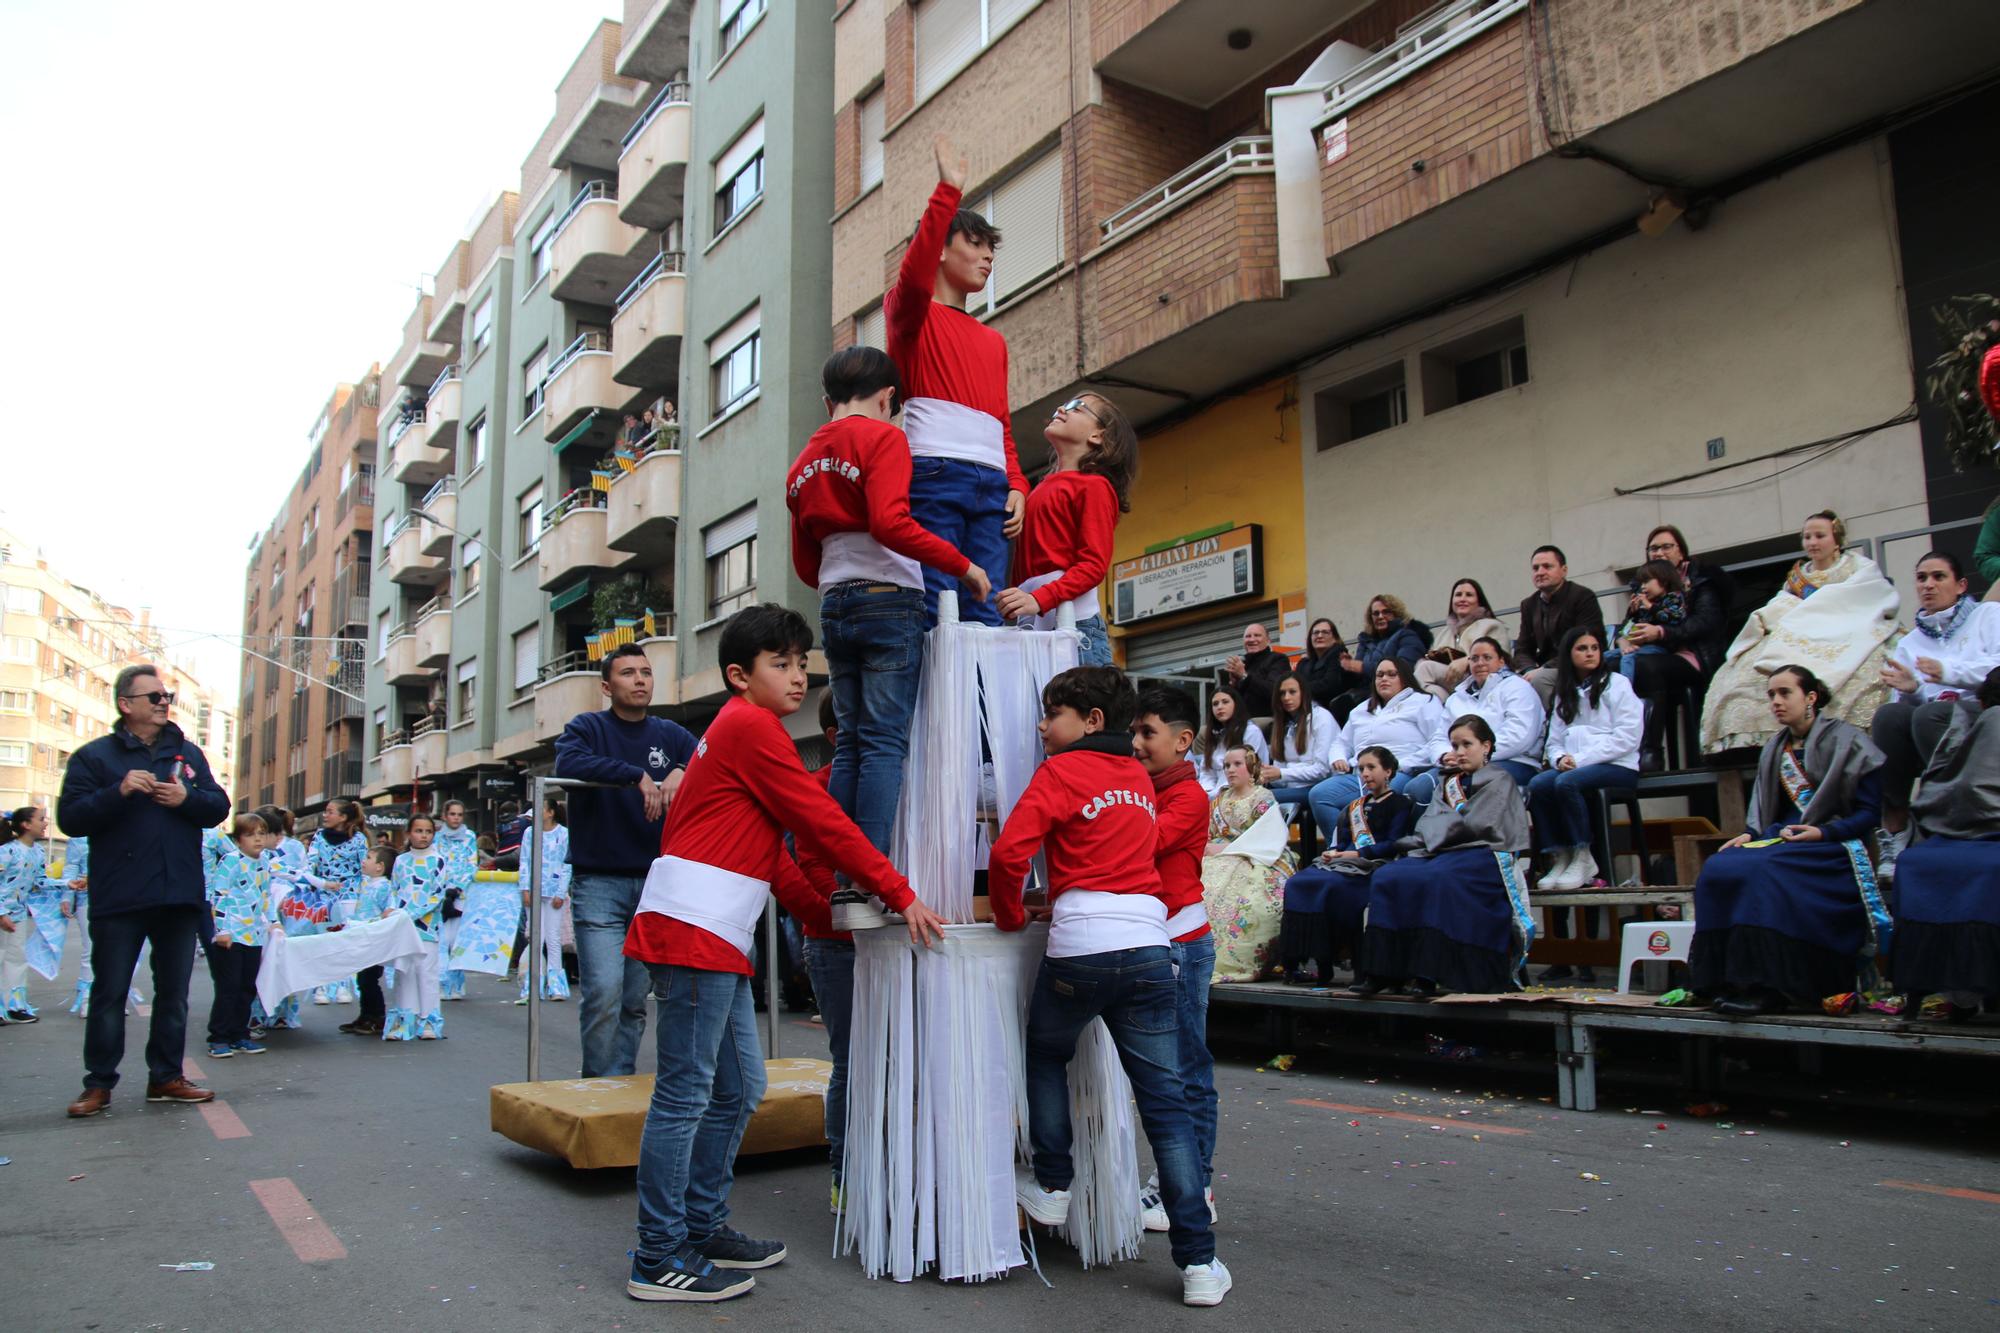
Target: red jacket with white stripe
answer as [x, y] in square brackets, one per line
[1091, 807]
[1180, 825]
[1068, 526]
[853, 476]
[723, 849]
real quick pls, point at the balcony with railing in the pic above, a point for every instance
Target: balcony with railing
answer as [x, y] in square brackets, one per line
[341, 772]
[398, 759]
[413, 459]
[653, 160]
[1210, 247]
[1183, 49]
[598, 103]
[578, 384]
[655, 39]
[441, 411]
[448, 295]
[573, 539]
[350, 594]
[341, 707]
[645, 498]
[404, 555]
[565, 687]
[420, 359]
[399, 658]
[440, 509]
[358, 493]
[427, 740]
[433, 632]
[650, 322]
[594, 254]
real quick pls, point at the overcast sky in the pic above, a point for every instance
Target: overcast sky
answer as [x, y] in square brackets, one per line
[221, 210]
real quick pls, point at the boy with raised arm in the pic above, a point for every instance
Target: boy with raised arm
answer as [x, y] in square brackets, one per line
[966, 486]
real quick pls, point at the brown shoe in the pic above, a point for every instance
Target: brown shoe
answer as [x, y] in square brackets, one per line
[179, 1090]
[91, 1102]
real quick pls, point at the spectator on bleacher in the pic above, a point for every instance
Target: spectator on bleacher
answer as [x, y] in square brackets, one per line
[1389, 634]
[1322, 665]
[1229, 724]
[1548, 614]
[1257, 670]
[1511, 708]
[1948, 884]
[1304, 741]
[1401, 719]
[1594, 725]
[1468, 618]
[1244, 893]
[1935, 671]
[1325, 901]
[1785, 912]
[1834, 615]
[1452, 913]
[1690, 646]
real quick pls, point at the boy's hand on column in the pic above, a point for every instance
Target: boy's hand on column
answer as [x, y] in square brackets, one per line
[926, 926]
[1017, 507]
[975, 578]
[952, 165]
[1012, 604]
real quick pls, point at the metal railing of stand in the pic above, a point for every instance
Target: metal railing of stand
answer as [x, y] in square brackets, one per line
[538, 794]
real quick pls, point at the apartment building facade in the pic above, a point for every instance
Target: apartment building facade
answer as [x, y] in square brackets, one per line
[1398, 290]
[584, 402]
[61, 649]
[306, 587]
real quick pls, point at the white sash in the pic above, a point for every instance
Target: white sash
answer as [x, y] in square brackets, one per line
[1084, 604]
[1087, 921]
[845, 556]
[939, 428]
[1189, 919]
[721, 902]
[1264, 841]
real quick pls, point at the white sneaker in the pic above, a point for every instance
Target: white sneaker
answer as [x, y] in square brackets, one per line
[1204, 1284]
[1152, 1208]
[1049, 1207]
[1555, 875]
[1889, 846]
[855, 910]
[1583, 869]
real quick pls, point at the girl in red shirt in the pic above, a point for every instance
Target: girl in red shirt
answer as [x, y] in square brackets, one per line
[1065, 547]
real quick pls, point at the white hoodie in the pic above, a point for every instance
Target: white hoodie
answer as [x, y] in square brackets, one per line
[1404, 727]
[1302, 770]
[1605, 734]
[1510, 706]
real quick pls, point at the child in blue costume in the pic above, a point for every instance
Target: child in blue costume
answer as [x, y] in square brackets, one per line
[554, 852]
[417, 886]
[24, 873]
[333, 859]
[239, 896]
[459, 846]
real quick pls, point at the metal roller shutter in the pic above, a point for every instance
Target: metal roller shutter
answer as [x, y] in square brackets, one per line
[1196, 649]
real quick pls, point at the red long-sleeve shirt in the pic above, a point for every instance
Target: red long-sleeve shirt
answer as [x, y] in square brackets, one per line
[743, 789]
[853, 476]
[941, 351]
[1068, 525]
[1091, 808]
[1180, 826]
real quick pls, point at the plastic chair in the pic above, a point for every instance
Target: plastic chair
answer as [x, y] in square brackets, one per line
[1651, 942]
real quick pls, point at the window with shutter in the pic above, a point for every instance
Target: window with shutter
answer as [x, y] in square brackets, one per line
[946, 35]
[527, 658]
[869, 113]
[871, 330]
[1028, 210]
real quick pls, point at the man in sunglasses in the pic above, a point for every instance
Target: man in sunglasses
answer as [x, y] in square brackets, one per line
[142, 795]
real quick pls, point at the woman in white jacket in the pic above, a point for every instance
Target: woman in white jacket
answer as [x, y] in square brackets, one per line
[1595, 722]
[1511, 708]
[1401, 718]
[1305, 742]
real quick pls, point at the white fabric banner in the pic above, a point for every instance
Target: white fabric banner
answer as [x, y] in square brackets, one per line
[293, 964]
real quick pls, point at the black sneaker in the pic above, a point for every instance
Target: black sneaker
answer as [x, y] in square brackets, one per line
[733, 1249]
[22, 1016]
[685, 1276]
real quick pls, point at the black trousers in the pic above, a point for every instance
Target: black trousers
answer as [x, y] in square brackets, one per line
[368, 985]
[1657, 677]
[115, 940]
[1906, 734]
[234, 972]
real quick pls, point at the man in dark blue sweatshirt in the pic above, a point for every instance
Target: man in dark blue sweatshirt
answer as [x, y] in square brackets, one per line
[142, 795]
[614, 837]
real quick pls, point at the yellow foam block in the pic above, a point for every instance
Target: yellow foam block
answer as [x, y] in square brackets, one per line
[596, 1122]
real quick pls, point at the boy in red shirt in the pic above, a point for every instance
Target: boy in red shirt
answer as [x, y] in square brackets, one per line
[967, 486]
[1090, 806]
[854, 540]
[1163, 732]
[722, 854]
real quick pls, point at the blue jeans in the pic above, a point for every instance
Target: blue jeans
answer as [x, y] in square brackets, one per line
[1194, 965]
[1628, 661]
[1135, 992]
[1331, 796]
[830, 963]
[1096, 648]
[874, 660]
[711, 1077]
[965, 504]
[1423, 787]
[611, 1008]
[1556, 800]
[115, 941]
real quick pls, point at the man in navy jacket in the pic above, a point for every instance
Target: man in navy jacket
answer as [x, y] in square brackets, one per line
[142, 795]
[614, 837]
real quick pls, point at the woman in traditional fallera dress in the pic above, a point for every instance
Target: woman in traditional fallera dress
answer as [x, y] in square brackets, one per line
[1452, 914]
[1244, 894]
[1948, 882]
[1325, 902]
[1835, 617]
[1790, 910]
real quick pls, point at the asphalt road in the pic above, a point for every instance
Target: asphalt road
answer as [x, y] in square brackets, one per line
[1346, 1202]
